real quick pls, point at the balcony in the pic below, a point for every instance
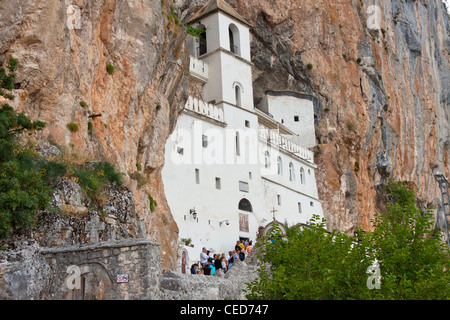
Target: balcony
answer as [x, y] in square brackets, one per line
[284, 143]
[203, 108]
[199, 69]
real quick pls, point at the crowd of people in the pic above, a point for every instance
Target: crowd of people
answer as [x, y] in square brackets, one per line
[210, 264]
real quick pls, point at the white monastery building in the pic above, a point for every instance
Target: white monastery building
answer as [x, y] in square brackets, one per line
[231, 167]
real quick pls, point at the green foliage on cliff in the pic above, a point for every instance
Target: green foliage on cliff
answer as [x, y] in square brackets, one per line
[314, 264]
[26, 179]
[23, 189]
[193, 31]
[93, 178]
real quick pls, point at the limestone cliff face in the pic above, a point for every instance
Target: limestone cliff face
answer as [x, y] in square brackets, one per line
[64, 47]
[383, 91]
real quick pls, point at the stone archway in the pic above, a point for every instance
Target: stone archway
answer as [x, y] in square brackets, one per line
[272, 226]
[95, 283]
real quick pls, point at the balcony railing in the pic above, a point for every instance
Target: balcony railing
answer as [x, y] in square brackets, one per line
[199, 69]
[284, 143]
[206, 109]
[234, 49]
[201, 50]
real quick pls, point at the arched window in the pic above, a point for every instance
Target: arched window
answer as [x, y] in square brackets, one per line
[233, 32]
[267, 160]
[237, 92]
[302, 176]
[245, 205]
[291, 172]
[203, 48]
[280, 166]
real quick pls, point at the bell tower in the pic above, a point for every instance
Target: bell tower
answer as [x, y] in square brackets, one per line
[225, 47]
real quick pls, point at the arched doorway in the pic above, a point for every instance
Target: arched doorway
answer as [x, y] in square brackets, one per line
[95, 283]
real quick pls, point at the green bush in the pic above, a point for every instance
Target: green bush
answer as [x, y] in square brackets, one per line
[110, 68]
[83, 104]
[94, 178]
[73, 127]
[90, 127]
[7, 78]
[153, 203]
[51, 171]
[23, 193]
[309, 66]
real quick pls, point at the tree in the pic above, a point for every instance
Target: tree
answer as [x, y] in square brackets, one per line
[309, 264]
[411, 254]
[314, 264]
[23, 190]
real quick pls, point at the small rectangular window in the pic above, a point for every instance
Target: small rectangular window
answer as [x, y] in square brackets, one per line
[311, 204]
[250, 175]
[247, 123]
[218, 183]
[296, 118]
[279, 200]
[180, 151]
[299, 207]
[243, 186]
[197, 176]
[204, 141]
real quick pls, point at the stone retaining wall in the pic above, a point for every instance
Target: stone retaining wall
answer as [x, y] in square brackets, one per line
[99, 265]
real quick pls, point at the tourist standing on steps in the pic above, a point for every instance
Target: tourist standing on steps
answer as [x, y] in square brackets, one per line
[242, 245]
[241, 255]
[224, 264]
[211, 266]
[217, 262]
[230, 262]
[203, 257]
[250, 246]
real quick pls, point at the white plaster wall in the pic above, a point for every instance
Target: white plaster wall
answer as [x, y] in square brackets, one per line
[235, 72]
[244, 35]
[284, 108]
[212, 90]
[214, 206]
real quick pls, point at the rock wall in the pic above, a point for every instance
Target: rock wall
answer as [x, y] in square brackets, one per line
[99, 265]
[90, 272]
[63, 49]
[380, 71]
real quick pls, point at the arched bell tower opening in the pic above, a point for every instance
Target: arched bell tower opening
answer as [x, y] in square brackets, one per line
[233, 33]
